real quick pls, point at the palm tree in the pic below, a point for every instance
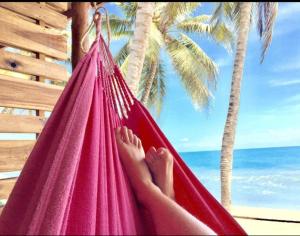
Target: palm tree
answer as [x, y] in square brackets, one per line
[241, 14]
[170, 32]
[144, 14]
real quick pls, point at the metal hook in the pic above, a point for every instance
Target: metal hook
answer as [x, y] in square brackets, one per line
[97, 20]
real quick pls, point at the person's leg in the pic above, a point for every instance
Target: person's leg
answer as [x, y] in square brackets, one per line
[168, 216]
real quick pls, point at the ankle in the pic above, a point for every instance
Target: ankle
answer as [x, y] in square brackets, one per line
[146, 192]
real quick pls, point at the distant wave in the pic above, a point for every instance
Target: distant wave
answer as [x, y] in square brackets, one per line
[261, 177]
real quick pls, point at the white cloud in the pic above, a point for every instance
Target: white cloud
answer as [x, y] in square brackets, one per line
[222, 62]
[269, 138]
[273, 127]
[253, 138]
[197, 107]
[205, 143]
[184, 140]
[286, 107]
[288, 10]
[293, 98]
[280, 83]
[285, 28]
[286, 22]
[288, 66]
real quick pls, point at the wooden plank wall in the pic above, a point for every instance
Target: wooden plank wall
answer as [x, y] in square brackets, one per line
[33, 40]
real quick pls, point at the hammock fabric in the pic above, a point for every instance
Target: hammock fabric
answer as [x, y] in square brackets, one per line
[73, 181]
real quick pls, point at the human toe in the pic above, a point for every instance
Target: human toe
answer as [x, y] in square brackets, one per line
[150, 154]
[124, 134]
[130, 135]
[164, 153]
[135, 140]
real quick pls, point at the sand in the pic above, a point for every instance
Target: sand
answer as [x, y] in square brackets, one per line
[262, 220]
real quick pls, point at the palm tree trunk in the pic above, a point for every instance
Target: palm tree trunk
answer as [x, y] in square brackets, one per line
[139, 44]
[149, 83]
[234, 103]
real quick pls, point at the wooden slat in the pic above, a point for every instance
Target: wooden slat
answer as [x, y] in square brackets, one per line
[21, 124]
[59, 6]
[39, 12]
[28, 94]
[13, 154]
[23, 17]
[29, 65]
[20, 33]
[6, 185]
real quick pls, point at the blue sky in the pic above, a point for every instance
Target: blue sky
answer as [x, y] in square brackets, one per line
[270, 98]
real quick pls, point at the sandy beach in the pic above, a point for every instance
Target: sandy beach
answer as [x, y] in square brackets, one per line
[267, 221]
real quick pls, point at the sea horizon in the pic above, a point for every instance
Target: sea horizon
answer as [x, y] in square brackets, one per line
[236, 149]
[262, 177]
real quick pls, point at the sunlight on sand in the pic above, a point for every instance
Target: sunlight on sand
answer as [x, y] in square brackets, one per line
[264, 223]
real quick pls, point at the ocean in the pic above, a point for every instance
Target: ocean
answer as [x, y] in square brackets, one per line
[262, 177]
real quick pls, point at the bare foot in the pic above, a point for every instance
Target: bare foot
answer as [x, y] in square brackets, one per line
[160, 162]
[132, 157]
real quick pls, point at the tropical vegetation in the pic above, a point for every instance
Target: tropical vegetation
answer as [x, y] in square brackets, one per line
[172, 28]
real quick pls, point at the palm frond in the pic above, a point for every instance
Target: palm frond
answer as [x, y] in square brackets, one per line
[119, 27]
[146, 74]
[155, 42]
[229, 9]
[129, 9]
[218, 12]
[121, 58]
[200, 56]
[219, 32]
[158, 91]
[122, 54]
[196, 24]
[259, 24]
[236, 16]
[158, 88]
[190, 68]
[174, 10]
[267, 12]
[226, 12]
[124, 67]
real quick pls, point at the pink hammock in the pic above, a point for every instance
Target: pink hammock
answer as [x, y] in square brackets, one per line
[73, 181]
